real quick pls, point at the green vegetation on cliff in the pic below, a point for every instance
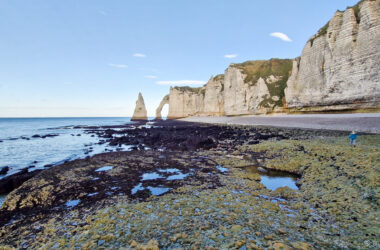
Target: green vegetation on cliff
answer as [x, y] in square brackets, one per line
[264, 68]
[280, 68]
[200, 90]
[219, 77]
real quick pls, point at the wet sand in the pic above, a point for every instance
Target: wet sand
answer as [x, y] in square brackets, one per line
[362, 122]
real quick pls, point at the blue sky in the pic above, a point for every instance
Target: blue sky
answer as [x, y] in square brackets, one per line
[92, 57]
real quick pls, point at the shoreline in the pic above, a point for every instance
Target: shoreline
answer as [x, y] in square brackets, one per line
[211, 191]
[361, 122]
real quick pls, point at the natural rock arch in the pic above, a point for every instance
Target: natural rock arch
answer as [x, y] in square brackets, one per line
[164, 101]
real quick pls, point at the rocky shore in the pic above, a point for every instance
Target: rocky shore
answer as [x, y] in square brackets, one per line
[203, 186]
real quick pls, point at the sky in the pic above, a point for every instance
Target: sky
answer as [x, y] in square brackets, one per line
[92, 57]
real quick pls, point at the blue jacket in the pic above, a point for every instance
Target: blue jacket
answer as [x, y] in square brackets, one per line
[353, 136]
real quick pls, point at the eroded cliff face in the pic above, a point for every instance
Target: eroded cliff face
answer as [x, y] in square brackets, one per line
[340, 65]
[185, 101]
[256, 87]
[253, 87]
[214, 97]
[339, 69]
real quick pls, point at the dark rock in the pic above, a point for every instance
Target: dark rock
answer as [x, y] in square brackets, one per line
[9, 183]
[36, 136]
[4, 170]
[50, 135]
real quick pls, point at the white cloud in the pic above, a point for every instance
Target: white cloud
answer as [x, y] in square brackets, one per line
[151, 77]
[139, 55]
[120, 66]
[282, 36]
[102, 12]
[180, 82]
[230, 56]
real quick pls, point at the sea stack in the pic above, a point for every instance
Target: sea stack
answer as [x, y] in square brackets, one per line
[140, 113]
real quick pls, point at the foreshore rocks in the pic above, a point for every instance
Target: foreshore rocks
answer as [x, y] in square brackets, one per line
[186, 195]
[4, 170]
[9, 183]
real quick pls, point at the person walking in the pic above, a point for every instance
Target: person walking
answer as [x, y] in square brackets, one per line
[353, 137]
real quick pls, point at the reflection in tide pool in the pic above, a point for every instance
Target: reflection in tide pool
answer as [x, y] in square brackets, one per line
[276, 182]
[72, 203]
[273, 179]
[154, 190]
[104, 168]
[150, 176]
[178, 176]
[222, 169]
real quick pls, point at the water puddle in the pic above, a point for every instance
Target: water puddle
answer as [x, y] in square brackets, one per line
[151, 176]
[222, 169]
[276, 182]
[273, 179]
[92, 194]
[72, 203]
[174, 174]
[158, 190]
[178, 176]
[154, 190]
[137, 188]
[104, 168]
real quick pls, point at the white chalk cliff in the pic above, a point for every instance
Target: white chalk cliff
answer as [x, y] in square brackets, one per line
[340, 65]
[339, 69]
[140, 113]
[253, 87]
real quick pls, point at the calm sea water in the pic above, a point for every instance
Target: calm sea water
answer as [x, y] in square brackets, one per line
[17, 152]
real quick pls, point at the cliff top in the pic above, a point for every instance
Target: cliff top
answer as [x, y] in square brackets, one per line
[264, 68]
[200, 90]
[218, 77]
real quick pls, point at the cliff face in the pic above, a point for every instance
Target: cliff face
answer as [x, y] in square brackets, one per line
[214, 97]
[339, 69]
[256, 87]
[253, 87]
[340, 65]
[185, 101]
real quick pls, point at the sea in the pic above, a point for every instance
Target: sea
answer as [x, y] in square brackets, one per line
[19, 149]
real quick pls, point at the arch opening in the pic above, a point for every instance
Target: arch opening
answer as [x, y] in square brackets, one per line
[163, 107]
